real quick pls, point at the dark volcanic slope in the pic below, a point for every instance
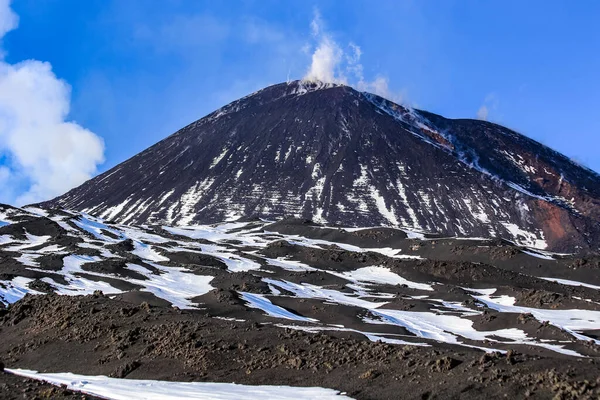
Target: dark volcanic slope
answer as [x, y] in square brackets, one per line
[341, 157]
[369, 312]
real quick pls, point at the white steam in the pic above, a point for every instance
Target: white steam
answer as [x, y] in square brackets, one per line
[330, 63]
[483, 113]
[41, 154]
[490, 104]
[325, 61]
[326, 58]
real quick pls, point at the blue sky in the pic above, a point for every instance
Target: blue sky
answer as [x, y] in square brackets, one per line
[140, 70]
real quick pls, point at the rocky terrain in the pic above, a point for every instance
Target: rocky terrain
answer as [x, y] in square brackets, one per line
[369, 313]
[340, 157]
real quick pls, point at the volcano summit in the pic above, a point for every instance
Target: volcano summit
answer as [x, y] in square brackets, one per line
[341, 157]
[131, 276]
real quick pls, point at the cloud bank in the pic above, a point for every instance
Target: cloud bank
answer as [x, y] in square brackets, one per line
[331, 63]
[42, 155]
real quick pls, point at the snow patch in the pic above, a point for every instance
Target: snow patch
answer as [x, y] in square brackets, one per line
[524, 237]
[262, 303]
[380, 275]
[133, 389]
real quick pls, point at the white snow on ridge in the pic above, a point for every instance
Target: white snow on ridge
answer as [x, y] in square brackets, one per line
[79, 286]
[112, 212]
[53, 248]
[524, 237]
[477, 211]
[103, 252]
[237, 264]
[537, 255]
[318, 243]
[254, 300]
[6, 239]
[4, 220]
[570, 321]
[189, 200]
[373, 337]
[28, 259]
[146, 252]
[441, 328]
[308, 291]
[392, 253]
[173, 284]
[32, 241]
[15, 289]
[133, 389]
[37, 211]
[381, 207]
[7, 214]
[481, 291]
[95, 227]
[238, 244]
[234, 262]
[437, 326]
[448, 329]
[217, 233]
[139, 235]
[380, 275]
[218, 158]
[412, 234]
[570, 282]
[289, 265]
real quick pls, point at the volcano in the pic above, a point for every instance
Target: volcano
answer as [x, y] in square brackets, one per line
[341, 157]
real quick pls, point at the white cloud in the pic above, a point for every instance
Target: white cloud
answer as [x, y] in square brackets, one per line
[42, 152]
[330, 63]
[8, 19]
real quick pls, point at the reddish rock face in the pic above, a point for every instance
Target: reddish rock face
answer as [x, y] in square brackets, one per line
[556, 224]
[341, 157]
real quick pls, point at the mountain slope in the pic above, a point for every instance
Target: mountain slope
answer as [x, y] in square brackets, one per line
[369, 312]
[335, 155]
